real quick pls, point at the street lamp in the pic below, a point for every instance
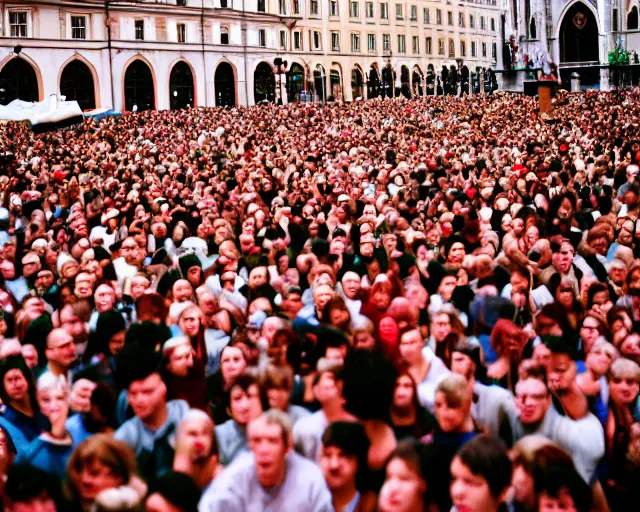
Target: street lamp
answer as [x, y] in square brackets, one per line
[282, 68]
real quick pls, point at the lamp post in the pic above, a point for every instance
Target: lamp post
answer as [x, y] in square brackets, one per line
[282, 68]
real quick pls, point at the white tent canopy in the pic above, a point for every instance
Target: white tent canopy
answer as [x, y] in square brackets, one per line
[49, 111]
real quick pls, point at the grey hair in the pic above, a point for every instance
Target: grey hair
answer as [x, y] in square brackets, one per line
[48, 381]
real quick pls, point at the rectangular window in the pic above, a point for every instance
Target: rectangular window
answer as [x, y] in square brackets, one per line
[355, 43]
[493, 24]
[283, 6]
[296, 6]
[472, 21]
[426, 17]
[414, 13]
[386, 42]
[262, 38]
[438, 17]
[224, 35]
[441, 46]
[399, 13]
[297, 41]
[614, 20]
[223, 3]
[140, 30]
[461, 19]
[473, 49]
[401, 44]
[484, 49]
[262, 6]
[482, 23]
[283, 39]
[450, 18]
[78, 27]
[494, 50]
[452, 49]
[354, 9]
[384, 11]
[181, 29]
[333, 8]
[415, 45]
[463, 49]
[371, 43]
[427, 45]
[313, 7]
[316, 40]
[18, 23]
[369, 9]
[335, 41]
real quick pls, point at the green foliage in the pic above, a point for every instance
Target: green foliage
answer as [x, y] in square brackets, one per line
[619, 56]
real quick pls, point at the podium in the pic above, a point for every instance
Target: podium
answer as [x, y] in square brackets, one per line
[545, 93]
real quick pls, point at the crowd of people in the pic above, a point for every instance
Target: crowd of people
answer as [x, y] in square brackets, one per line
[389, 305]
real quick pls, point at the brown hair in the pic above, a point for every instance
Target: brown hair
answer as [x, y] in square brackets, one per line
[106, 450]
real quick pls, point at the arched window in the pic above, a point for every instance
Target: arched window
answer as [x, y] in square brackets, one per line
[533, 29]
[452, 48]
[632, 19]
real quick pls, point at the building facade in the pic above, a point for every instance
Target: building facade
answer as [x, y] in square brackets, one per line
[174, 53]
[577, 34]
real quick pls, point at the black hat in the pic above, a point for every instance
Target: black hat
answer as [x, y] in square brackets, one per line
[188, 261]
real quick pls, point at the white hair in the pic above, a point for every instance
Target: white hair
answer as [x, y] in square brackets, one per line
[48, 381]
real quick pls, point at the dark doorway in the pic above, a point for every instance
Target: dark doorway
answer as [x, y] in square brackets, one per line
[356, 84]
[18, 81]
[181, 90]
[138, 87]
[320, 84]
[374, 83]
[632, 19]
[405, 82]
[388, 82]
[579, 35]
[264, 84]
[225, 84]
[336, 85]
[417, 83]
[76, 83]
[295, 83]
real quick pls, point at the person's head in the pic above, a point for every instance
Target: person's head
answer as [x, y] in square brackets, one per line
[447, 284]
[98, 463]
[336, 313]
[411, 345]
[624, 382]
[562, 257]
[381, 295]
[30, 489]
[327, 386]
[363, 329]
[53, 396]
[562, 488]
[408, 477]
[562, 369]
[244, 399]
[322, 294]
[177, 353]
[444, 322]
[189, 321]
[138, 286]
[453, 404]
[139, 370]
[105, 298]
[16, 383]
[173, 492]
[590, 330]
[507, 338]
[600, 357]
[405, 394]
[351, 285]
[195, 437]
[277, 384]
[74, 319]
[270, 441]
[270, 326]
[531, 455]
[480, 475]
[61, 349]
[532, 399]
[83, 285]
[343, 458]
[233, 362]
[257, 278]
[182, 291]
[466, 360]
